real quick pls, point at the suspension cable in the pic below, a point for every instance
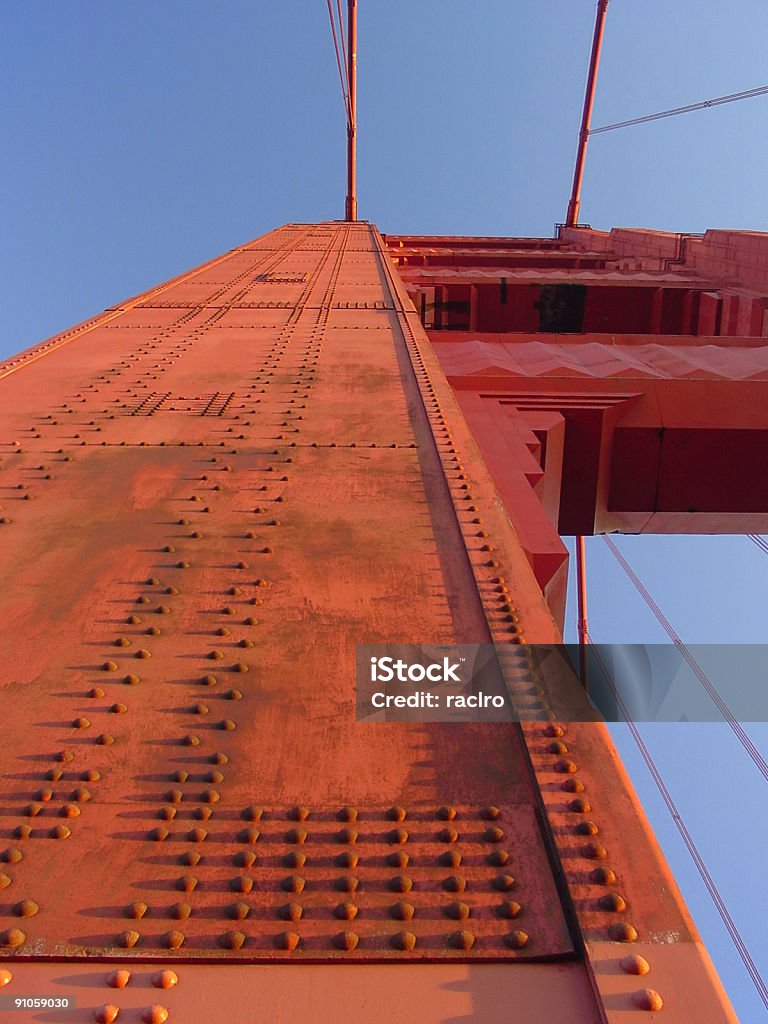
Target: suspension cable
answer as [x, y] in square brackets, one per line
[701, 105]
[343, 77]
[706, 877]
[736, 727]
[760, 541]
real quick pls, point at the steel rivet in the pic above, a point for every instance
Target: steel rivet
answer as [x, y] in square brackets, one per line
[188, 883]
[462, 940]
[509, 909]
[118, 979]
[136, 910]
[128, 939]
[603, 876]
[613, 902]
[109, 666]
[580, 806]
[131, 679]
[173, 940]
[635, 965]
[573, 786]
[287, 940]
[106, 1014]
[516, 939]
[450, 859]
[398, 835]
[455, 883]
[26, 908]
[586, 828]
[197, 835]
[594, 851]
[648, 999]
[622, 931]
[493, 835]
[346, 940]
[60, 832]
[446, 813]
[404, 941]
[157, 1014]
[165, 979]
[180, 911]
[401, 883]
[448, 835]
[12, 855]
[248, 835]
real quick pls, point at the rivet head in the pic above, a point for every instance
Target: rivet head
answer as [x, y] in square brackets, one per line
[5, 881]
[154, 1014]
[239, 911]
[401, 883]
[12, 855]
[603, 876]
[26, 908]
[128, 939]
[157, 835]
[398, 835]
[504, 883]
[493, 835]
[613, 902]
[573, 786]
[450, 859]
[165, 979]
[106, 1014]
[402, 910]
[180, 911]
[346, 940]
[580, 805]
[348, 814]
[253, 813]
[11, 938]
[462, 940]
[648, 999]
[554, 730]
[293, 883]
[5, 977]
[498, 858]
[396, 814]
[594, 851]
[136, 910]
[446, 813]
[516, 939]
[622, 931]
[232, 940]
[448, 835]
[345, 911]
[173, 940]
[118, 979]
[455, 883]
[60, 832]
[586, 828]
[188, 883]
[398, 859]
[458, 911]
[347, 883]
[287, 940]
[291, 912]
[405, 941]
[635, 965]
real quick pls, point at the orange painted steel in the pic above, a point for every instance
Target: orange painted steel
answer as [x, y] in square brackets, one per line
[574, 203]
[350, 209]
[208, 498]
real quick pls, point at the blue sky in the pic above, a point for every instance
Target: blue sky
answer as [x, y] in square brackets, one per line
[142, 139]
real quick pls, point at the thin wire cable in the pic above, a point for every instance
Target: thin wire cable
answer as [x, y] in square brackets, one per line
[760, 541]
[701, 867]
[343, 37]
[344, 81]
[736, 727]
[702, 105]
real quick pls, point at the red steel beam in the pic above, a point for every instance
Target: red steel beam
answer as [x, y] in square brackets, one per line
[572, 216]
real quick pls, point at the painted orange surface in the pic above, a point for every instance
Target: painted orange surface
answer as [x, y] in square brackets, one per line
[209, 495]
